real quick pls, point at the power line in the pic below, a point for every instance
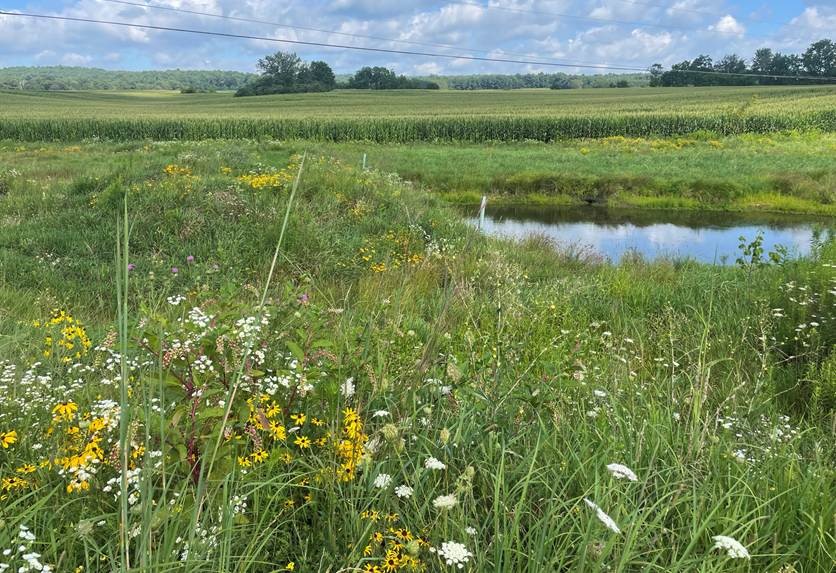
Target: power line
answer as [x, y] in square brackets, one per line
[320, 30]
[389, 51]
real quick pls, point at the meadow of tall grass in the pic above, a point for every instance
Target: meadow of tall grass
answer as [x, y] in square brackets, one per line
[226, 357]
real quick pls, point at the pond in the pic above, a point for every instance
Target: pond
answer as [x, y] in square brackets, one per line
[705, 236]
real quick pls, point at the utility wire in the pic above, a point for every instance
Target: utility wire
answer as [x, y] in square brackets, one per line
[321, 44]
[320, 30]
[390, 51]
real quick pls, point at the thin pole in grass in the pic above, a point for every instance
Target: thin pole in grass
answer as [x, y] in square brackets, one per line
[482, 208]
[234, 387]
[122, 256]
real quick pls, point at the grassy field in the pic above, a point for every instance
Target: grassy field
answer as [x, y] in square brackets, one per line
[405, 116]
[355, 380]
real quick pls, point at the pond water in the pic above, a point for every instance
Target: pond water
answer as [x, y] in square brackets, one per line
[705, 236]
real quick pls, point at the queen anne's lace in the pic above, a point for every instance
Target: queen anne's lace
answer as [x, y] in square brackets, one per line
[731, 546]
[453, 553]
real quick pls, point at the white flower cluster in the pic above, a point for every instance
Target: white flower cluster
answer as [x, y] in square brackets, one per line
[347, 388]
[199, 318]
[731, 546]
[453, 553]
[403, 491]
[31, 561]
[382, 481]
[176, 299]
[434, 464]
[445, 501]
[132, 477]
[203, 364]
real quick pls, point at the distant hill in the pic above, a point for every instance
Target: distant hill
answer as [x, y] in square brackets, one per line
[56, 78]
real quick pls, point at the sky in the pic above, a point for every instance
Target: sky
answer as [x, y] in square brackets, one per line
[630, 33]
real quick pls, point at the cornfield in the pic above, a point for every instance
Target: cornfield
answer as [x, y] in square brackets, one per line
[392, 117]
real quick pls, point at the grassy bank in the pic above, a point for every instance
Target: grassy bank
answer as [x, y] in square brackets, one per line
[782, 173]
[790, 172]
[490, 383]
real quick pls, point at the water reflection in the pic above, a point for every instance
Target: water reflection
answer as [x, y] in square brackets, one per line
[711, 237]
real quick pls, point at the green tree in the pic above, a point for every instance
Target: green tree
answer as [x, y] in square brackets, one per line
[820, 59]
[322, 74]
[282, 68]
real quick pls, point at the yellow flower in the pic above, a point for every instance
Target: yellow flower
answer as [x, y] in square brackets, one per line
[303, 442]
[26, 469]
[64, 411]
[391, 563]
[290, 566]
[259, 456]
[244, 462]
[298, 419]
[10, 483]
[279, 432]
[8, 438]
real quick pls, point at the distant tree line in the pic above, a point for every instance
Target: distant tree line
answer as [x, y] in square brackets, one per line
[541, 80]
[818, 61]
[55, 78]
[284, 72]
[378, 78]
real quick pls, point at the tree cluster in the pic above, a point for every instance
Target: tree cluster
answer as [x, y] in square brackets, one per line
[283, 73]
[766, 68]
[56, 78]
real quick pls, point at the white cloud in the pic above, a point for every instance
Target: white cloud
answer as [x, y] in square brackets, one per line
[729, 26]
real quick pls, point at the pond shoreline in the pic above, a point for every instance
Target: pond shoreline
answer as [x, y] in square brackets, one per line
[614, 232]
[790, 206]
